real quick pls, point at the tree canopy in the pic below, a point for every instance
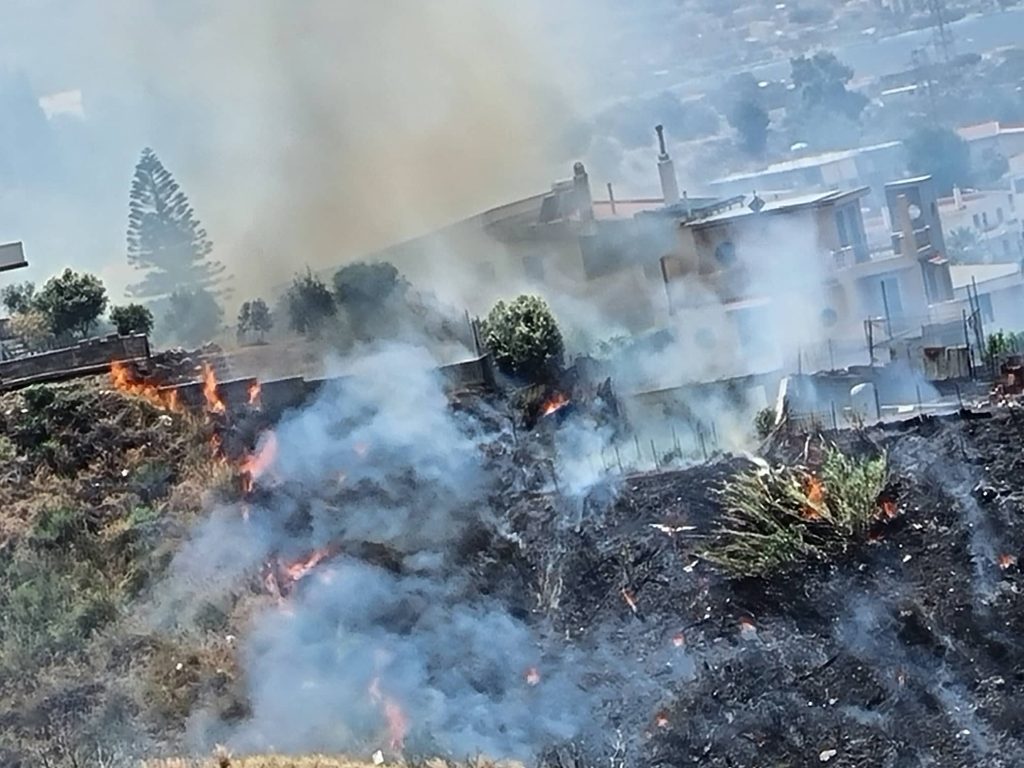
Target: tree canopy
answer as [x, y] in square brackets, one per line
[524, 337]
[73, 301]
[751, 123]
[255, 317]
[821, 80]
[193, 316]
[132, 318]
[165, 239]
[18, 298]
[369, 294]
[941, 153]
[310, 304]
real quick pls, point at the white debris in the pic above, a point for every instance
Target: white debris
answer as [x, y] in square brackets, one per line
[378, 758]
[906, 558]
[827, 755]
[178, 667]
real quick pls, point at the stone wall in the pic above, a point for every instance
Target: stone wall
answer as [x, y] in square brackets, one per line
[87, 354]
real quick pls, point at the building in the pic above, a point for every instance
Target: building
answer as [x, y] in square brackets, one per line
[993, 139]
[871, 166]
[983, 225]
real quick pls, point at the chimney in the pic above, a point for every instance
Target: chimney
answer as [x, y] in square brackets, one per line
[581, 188]
[958, 198]
[666, 170]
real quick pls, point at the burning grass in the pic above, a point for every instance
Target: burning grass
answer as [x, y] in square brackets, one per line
[315, 761]
[777, 516]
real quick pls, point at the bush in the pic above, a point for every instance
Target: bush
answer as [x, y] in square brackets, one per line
[32, 328]
[310, 305]
[779, 516]
[764, 422]
[132, 318]
[524, 338]
[254, 317]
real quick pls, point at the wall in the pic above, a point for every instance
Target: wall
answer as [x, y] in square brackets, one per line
[89, 353]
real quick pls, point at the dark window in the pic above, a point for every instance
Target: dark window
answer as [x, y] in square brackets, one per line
[844, 235]
[999, 215]
[977, 221]
[985, 305]
[725, 254]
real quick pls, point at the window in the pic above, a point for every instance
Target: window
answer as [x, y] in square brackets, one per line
[889, 287]
[985, 305]
[977, 221]
[999, 215]
[984, 218]
[844, 235]
[725, 254]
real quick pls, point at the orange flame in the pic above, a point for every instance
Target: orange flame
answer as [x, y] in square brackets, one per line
[299, 569]
[533, 676]
[661, 720]
[398, 725]
[255, 391]
[679, 640]
[889, 511]
[553, 404]
[124, 379]
[815, 492]
[1007, 561]
[255, 465]
[630, 600]
[213, 402]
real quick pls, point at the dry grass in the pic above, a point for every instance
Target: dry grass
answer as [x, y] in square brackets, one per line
[777, 516]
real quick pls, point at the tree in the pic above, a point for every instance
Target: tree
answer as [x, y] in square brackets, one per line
[821, 81]
[32, 327]
[524, 337]
[940, 153]
[310, 305]
[193, 317]
[132, 318]
[73, 302]
[255, 316]
[751, 123]
[164, 236]
[369, 293]
[18, 298]
[962, 244]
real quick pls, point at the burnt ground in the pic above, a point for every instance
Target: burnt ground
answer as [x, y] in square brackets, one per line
[907, 651]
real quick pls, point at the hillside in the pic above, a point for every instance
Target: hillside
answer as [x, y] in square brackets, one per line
[392, 571]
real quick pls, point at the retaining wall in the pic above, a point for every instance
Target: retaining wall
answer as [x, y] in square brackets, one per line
[86, 354]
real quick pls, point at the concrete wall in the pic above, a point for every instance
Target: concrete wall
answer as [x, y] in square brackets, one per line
[86, 354]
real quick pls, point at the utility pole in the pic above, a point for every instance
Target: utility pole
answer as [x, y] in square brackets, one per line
[943, 37]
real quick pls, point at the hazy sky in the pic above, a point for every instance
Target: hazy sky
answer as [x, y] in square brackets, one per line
[304, 131]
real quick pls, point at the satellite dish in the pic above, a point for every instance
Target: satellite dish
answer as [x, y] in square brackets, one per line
[756, 204]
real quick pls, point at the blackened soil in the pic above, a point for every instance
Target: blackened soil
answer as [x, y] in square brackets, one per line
[907, 651]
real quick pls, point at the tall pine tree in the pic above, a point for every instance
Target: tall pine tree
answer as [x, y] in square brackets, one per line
[164, 237]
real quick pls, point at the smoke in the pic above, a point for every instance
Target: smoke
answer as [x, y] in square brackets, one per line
[390, 641]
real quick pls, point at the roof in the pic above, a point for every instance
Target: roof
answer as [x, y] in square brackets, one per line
[961, 274]
[785, 205]
[626, 209]
[811, 161]
[989, 130]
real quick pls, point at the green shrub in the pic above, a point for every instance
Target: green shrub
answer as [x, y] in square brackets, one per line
[776, 516]
[764, 422]
[57, 527]
[524, 338]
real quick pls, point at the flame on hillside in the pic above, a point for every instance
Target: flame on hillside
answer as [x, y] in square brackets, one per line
[125, 379]
[554, 404]
[213, 402]
[256, 465]
[255, 392]
[398, 725]
[815, 492]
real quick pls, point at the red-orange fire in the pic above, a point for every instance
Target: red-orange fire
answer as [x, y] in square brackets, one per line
[889, 510]
[1007, 561]
[255, 391]
[554, 404]
[398, 725]
[299, 569]
[124, 379]
[256, 465]
[213, 402]
[630, 600]
[679, 640]
[815, 492]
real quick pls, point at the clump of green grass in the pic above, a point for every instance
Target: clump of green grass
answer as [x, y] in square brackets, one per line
[779, 516]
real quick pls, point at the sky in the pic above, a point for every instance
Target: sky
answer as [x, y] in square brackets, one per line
[305, 132]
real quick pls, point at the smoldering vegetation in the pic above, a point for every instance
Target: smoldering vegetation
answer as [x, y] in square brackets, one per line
[463, 606]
